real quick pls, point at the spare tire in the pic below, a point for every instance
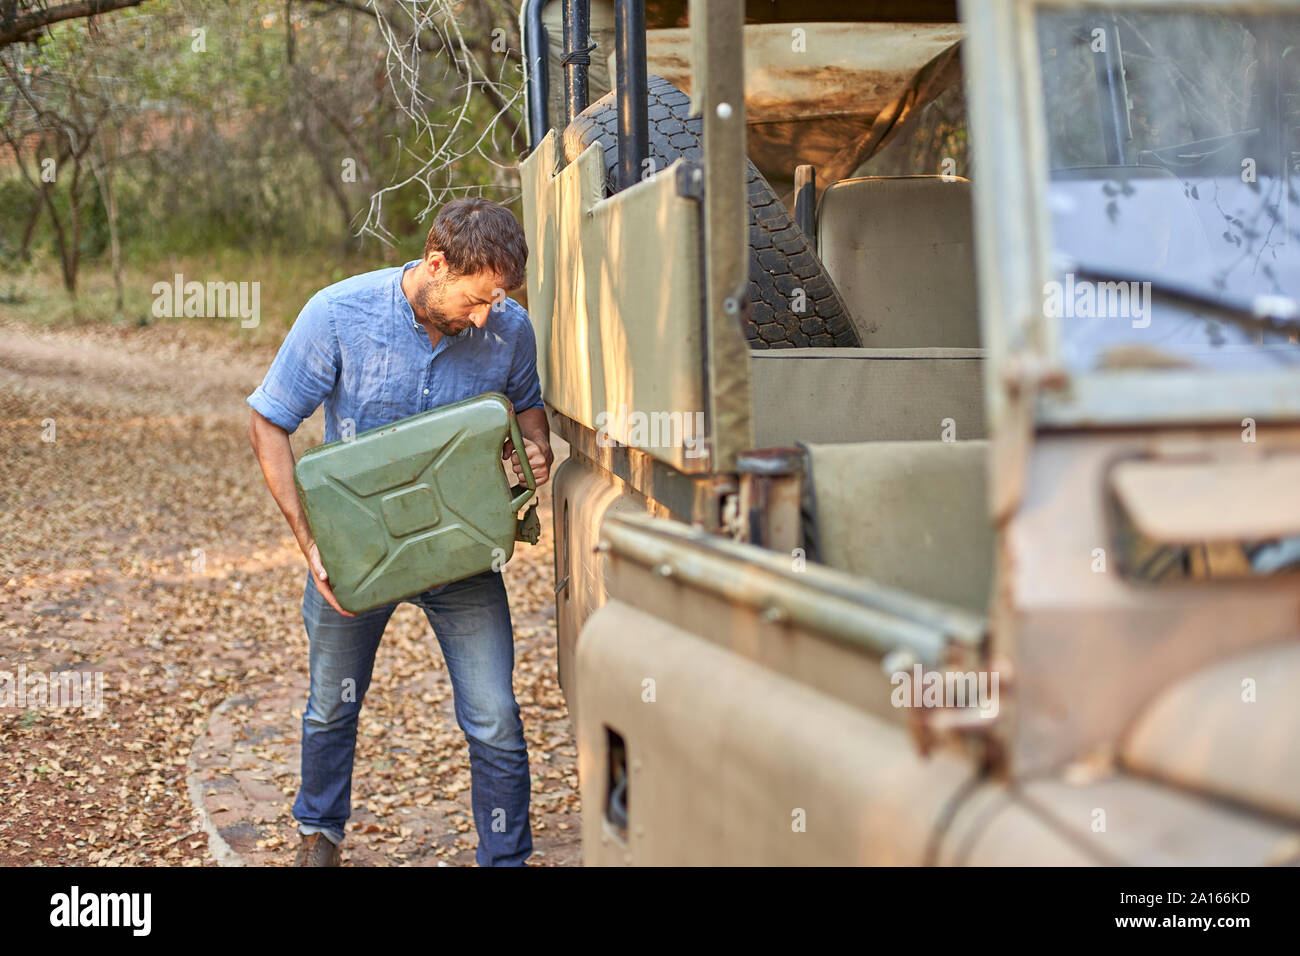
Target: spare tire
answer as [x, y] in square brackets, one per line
[781, 258]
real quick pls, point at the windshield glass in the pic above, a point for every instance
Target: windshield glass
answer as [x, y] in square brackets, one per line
[1174, 153]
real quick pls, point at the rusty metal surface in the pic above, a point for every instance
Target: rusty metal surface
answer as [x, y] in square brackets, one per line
[814, 99]
[673, 13]
[830, 95]
[835, 69]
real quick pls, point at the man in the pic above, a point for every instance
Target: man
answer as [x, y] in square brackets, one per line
[375, 348]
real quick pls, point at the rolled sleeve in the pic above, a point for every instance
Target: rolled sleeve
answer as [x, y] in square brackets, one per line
[304, 371]
[523, 387]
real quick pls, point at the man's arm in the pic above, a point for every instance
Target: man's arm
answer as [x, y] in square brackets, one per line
[274, 453]
[304, 372]
[536, 431]
[524, 390]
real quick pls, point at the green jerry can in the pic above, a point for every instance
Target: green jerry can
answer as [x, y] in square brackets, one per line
[417, 503]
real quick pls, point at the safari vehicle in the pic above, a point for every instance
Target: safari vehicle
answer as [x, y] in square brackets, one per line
[934, 486]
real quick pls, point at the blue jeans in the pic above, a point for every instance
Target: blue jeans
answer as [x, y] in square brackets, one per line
[471, 619]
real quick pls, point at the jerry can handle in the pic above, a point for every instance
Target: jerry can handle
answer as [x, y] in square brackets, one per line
[517, 440]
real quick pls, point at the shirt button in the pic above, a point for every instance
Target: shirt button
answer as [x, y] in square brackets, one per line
[426, 391]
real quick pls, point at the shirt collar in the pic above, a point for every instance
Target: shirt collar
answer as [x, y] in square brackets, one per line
[402, 296]
[404, 303]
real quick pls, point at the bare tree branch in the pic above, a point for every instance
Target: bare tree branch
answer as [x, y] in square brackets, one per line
[18, 27]
[456, 36]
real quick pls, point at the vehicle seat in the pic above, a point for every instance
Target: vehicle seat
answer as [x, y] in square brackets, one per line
[901, 251]
[859, 395]
[912, 514]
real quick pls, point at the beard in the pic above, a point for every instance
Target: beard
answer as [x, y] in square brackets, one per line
[433, 311]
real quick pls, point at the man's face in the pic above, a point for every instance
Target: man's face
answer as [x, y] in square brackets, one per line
[452, 305]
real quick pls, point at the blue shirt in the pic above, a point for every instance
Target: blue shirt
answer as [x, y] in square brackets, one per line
[357, 347]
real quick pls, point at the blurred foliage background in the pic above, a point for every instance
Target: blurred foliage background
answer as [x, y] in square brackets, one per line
[290, 143]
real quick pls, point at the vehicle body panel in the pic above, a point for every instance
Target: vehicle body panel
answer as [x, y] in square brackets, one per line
[727, 688]
[622, 330]
[1092, 649]
[729, 759]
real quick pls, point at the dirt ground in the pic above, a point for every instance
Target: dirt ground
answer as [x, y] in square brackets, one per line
[137, 539]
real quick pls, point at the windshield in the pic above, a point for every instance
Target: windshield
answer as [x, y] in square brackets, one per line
[1174, 152]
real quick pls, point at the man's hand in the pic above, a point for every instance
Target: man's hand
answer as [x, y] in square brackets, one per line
[538, 459]
[320, 579]
[536, 432]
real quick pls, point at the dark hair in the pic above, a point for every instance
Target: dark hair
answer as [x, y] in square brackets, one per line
[478, 235]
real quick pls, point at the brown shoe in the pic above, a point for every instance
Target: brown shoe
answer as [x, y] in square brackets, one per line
[316, 849]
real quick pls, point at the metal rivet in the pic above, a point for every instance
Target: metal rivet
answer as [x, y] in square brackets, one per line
[664, 570]
[730, 305]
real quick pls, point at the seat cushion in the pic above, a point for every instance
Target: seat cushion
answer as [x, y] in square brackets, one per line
[912, 514]
[857, 395]
[901, 250]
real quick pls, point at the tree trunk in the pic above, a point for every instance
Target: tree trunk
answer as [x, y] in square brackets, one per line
[60, 240]
[104, 179]
[29, 230]
[73, 259]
